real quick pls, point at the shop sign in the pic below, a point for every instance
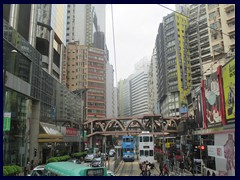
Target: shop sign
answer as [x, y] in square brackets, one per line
[71, 131]
[7, 121]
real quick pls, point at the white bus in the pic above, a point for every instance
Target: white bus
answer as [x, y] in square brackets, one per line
[146, 147]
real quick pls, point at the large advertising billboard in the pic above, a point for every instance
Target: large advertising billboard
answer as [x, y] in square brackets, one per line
[228, 75]
[212, 100]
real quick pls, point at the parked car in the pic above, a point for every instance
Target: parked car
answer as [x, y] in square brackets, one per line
[110, 173]
[37, 171]
[97, 162]
[111, 153]
[76, 161]
[89, 157]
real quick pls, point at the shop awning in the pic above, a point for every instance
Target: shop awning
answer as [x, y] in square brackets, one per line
[51, 133]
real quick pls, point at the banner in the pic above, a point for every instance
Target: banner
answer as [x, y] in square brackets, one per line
[228, 74]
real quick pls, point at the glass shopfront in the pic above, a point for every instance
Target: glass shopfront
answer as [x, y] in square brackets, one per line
[15, 141]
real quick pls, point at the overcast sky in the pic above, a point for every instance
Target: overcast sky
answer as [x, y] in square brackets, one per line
[135, 29]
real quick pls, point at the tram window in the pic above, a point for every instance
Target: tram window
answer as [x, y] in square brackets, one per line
[151, 152]
[146, 153]
[146, 139]
[151, 139]
[141, 152]
[140, 139]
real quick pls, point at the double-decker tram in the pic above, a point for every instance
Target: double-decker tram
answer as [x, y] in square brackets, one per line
[146, 147]
[128, 148]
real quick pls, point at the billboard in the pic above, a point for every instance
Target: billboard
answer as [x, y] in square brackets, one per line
[228, 75]
[212, 101]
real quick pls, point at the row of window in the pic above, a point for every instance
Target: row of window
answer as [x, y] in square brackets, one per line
[146, 139]
[146, 152]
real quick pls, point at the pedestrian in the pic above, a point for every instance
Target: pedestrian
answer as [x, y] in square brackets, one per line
[165, 170]
[181, 166]
[148, 169]
[32, 165]
[107, 159]
[28, 168]
[144, 168]
[161, 169]
[140, 167]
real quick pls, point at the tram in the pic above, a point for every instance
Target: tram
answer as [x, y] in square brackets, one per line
[146, 147]
[128, 148]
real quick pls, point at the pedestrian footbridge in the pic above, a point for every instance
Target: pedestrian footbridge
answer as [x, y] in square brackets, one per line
[156, 124]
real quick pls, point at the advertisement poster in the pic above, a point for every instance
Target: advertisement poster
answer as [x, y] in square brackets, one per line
[228, 74]
[212, 96]
[225, 153]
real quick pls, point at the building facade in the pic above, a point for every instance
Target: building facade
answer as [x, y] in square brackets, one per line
[85, 70]
[174, 48]
[33, 96]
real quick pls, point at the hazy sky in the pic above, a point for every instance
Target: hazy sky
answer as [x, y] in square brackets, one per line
[135, 29]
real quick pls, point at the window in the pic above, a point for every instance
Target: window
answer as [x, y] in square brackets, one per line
[146, 153]
[145, 139]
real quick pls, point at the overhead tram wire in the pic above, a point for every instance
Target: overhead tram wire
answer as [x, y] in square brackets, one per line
[115, 62]
[193, 20]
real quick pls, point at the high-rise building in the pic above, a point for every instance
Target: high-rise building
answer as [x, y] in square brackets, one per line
[124, 106]
[86, 71]
[109, 91]
[133, 91]
[174, 49]
[86, 24]
[199, 44]
[51, 36]
[152, 85]
[34, 98]
[161, 64]
[211, 35]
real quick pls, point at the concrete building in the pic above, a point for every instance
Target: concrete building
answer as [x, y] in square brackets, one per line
[124, 108]
[173, 55]
[133, 91]
[161, 67]
[110, 105]
[86, 71]
[211, 35]
[86, 24]
[139, 88]
[152, 85]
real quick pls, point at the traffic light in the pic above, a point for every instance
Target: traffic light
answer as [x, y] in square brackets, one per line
[35, 152]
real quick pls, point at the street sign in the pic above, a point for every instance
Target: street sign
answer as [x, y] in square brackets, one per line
[7, 121]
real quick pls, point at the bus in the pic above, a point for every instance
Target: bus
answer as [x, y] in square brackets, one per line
[72, 169]
[146, 147]
[128, 148]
